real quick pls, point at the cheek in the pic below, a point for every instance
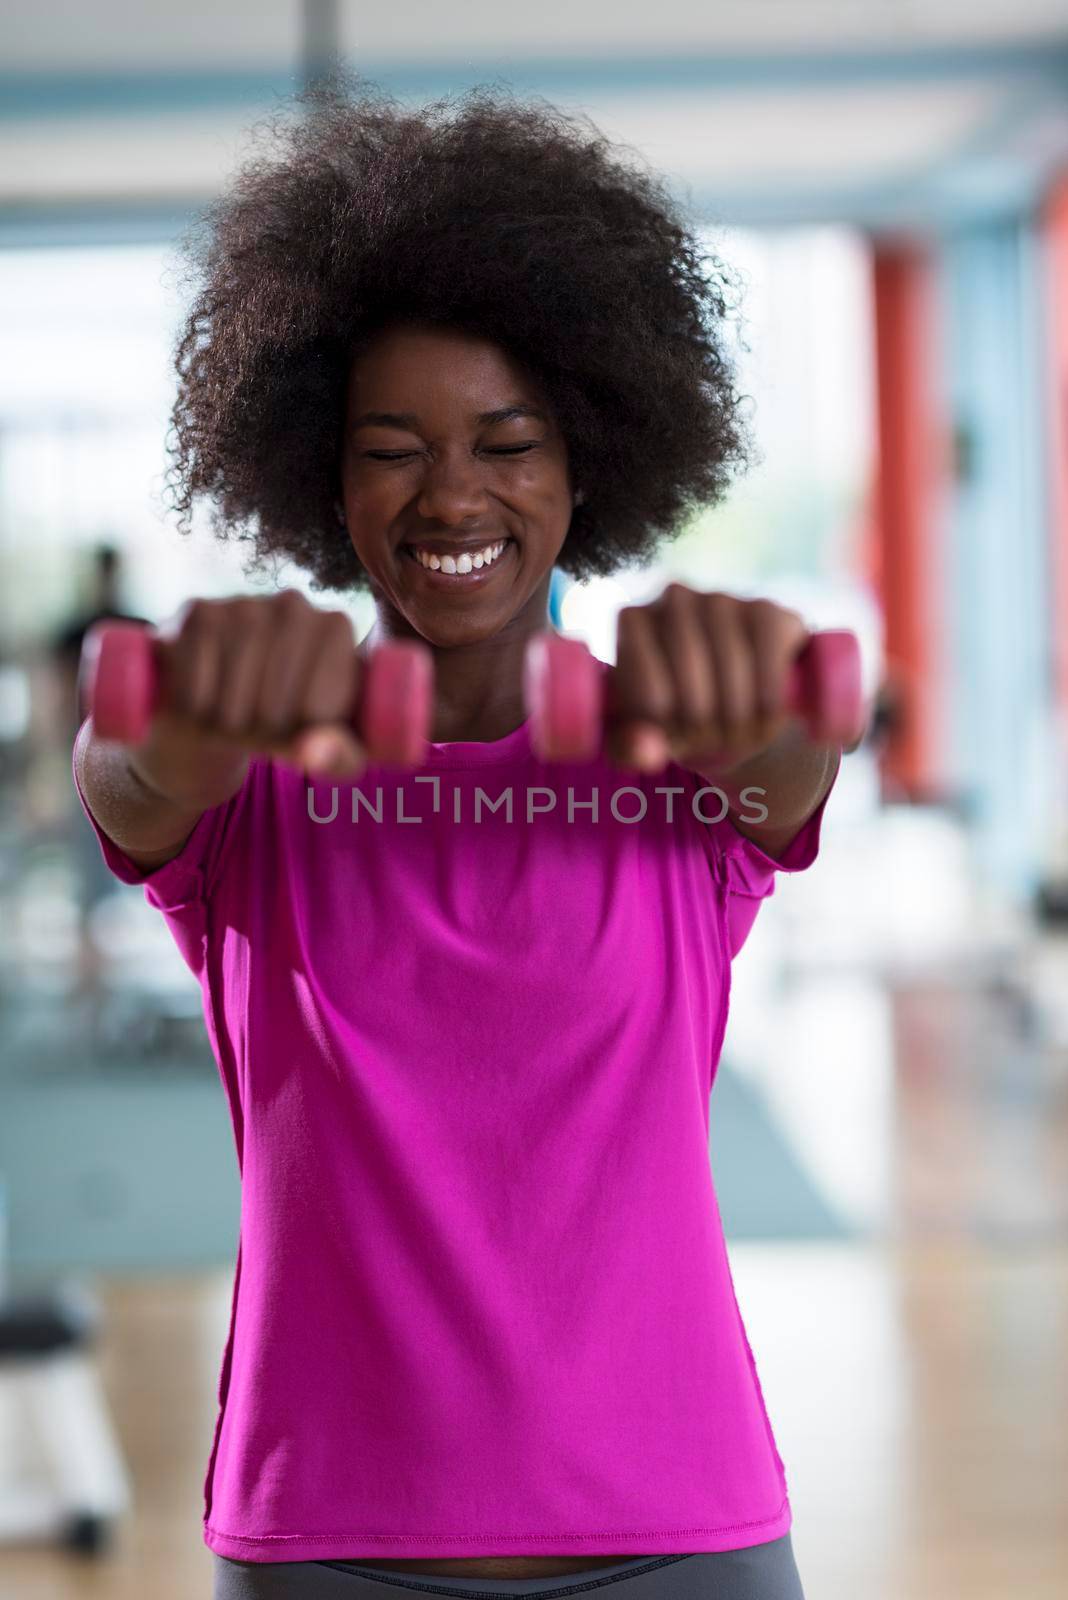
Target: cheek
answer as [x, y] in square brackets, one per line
[370, 507]
[544, 495]
[366, 492]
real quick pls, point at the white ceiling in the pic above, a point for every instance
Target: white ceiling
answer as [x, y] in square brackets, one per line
[956, 110]
[118, 35]
[842, 135]
[731, 142]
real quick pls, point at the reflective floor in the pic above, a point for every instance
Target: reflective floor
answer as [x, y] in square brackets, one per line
[918, 1395]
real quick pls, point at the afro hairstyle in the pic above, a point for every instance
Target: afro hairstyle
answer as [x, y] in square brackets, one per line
[507, 218]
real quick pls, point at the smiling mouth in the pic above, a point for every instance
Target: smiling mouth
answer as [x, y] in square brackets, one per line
[464, 572]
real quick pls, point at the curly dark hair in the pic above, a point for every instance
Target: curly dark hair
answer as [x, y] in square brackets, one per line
[510, 220]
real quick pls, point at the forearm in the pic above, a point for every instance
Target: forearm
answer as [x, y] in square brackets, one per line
[790, 777]
[120, 787]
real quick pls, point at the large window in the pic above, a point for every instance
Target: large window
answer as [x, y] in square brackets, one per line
[792, 526]
[86, 385]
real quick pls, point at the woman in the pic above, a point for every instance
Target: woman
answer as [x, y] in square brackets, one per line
[467, 1016]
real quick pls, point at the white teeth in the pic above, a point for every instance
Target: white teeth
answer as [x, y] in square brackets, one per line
[464, 563]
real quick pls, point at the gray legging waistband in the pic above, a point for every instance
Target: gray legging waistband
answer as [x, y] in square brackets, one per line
[759, 1572]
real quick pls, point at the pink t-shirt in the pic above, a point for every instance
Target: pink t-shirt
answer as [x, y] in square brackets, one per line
[482, 1302]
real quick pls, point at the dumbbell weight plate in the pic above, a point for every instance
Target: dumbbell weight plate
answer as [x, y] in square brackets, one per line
[395, 704]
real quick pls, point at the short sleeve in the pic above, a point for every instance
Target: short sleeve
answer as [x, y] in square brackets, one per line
[746, 872]
[182, 886]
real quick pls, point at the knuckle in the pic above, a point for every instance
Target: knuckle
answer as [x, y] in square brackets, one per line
[338, 625]
[249, 613]
[770, 613]
[290, 602]
[201, 616]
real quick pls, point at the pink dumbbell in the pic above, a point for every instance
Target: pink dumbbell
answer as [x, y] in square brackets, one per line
[120, 671]
[568, 693]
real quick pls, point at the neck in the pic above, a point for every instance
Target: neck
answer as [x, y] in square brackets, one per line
[478, 687]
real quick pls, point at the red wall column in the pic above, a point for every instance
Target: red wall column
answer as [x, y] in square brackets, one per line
[910, 469]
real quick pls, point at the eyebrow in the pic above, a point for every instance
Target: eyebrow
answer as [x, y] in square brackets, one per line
[408, 419]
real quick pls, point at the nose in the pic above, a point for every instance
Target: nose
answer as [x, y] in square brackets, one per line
[451, 490]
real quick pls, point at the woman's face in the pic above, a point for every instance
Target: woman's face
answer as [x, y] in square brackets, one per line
[448, 445]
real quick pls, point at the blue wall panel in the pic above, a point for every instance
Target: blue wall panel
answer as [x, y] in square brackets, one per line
[997, 580]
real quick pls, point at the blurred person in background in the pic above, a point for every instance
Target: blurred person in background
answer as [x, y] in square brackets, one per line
[103, 601]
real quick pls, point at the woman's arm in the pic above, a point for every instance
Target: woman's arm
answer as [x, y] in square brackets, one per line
[793, 775]
[146, 825]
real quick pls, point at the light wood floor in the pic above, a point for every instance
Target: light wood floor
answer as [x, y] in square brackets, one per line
[916, 1375]
[919, 1397]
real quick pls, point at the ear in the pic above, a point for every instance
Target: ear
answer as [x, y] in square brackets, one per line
[579, 497]
[339, 512]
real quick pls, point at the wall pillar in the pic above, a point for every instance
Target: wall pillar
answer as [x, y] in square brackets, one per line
[909, 470]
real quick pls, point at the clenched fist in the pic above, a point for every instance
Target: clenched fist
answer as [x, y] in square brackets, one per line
[701, 677]
[269, 675]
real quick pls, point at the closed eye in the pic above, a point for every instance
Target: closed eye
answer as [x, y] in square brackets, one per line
[399, 455]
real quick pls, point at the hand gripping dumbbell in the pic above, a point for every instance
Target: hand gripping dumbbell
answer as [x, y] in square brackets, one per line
[123, 686]
[568, 693]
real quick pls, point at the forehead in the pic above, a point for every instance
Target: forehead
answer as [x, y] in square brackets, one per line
[439, 363]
